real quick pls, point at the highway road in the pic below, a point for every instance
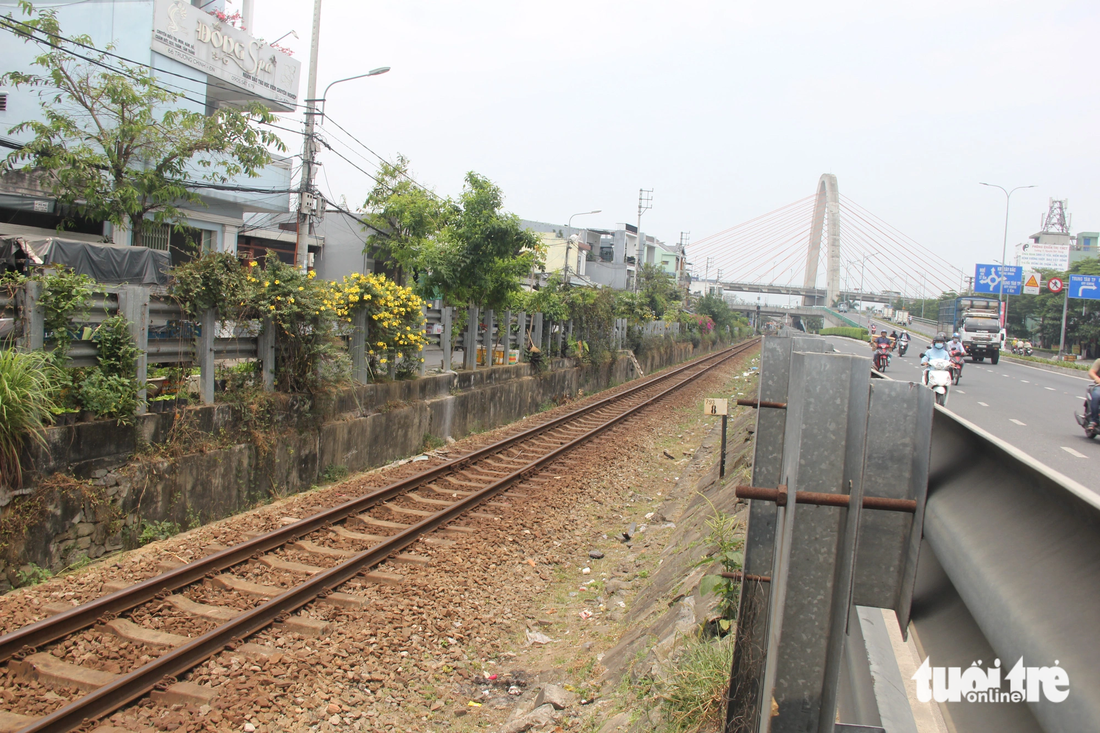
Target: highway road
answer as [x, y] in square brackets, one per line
[1030, 408]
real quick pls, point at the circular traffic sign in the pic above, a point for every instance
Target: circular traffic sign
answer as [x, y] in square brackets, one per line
[1055, 285]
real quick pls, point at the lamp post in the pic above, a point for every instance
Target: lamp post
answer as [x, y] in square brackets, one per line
[308, 149]
[569, 226]
[862, 272]
[1004, 249]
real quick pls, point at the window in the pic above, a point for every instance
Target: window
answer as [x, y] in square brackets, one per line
[3, 101]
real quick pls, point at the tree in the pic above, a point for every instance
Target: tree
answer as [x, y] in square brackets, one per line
[482, 255]
[657, 289]
[405, 218]
[114, 144]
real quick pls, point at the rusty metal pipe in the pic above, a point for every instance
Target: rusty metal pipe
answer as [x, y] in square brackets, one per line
[818, 498]
[762, 403]
[738, 575]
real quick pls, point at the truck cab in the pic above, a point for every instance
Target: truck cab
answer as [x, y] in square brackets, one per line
[981, 337]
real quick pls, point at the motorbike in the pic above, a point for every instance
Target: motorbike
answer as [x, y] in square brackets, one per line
[1083, 418]
[956, 366]
[938, 378]
[903, 346]
[882, 356]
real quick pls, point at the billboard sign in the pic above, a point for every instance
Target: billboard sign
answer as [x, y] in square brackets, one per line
[987, 279]
[197, 39]
[1033, 256]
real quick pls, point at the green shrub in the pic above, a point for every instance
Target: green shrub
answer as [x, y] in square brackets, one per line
[860, 334]
[28, 391]
[107, 395]
[334, 473]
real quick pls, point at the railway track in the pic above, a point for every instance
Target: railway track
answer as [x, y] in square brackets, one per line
[220, 600]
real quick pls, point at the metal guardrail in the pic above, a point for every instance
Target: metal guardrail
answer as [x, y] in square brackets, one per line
[1009, 554]
[841, 316]
[1008, 570]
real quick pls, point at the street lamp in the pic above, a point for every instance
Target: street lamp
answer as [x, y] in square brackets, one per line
[288, 33]
[373, 72]
[862, 272]
[1004, 248]
[569, 226]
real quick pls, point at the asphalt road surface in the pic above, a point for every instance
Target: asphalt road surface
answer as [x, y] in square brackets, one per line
[1030, 408]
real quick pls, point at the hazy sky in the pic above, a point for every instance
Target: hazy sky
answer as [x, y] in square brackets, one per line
[726, 109]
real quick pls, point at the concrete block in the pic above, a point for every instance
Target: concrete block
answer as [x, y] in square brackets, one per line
[185, 693]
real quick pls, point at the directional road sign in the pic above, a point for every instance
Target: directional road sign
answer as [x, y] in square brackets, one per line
[1055, 285]
[987, 279]
[1084, 286]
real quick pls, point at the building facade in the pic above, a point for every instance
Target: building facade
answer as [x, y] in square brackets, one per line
[192, 52]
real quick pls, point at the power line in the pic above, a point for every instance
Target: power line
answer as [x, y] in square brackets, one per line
[369, 150]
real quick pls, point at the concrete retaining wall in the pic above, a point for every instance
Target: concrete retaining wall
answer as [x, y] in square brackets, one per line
[354, 430]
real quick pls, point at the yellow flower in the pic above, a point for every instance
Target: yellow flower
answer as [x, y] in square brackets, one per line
[381, 361]
[300, 288]
[271, 307]
[253, 263]
[312, 274]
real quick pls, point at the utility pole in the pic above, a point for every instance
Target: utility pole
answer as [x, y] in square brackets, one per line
[305, 187]
[719, 278]
[706, 278]
[645, 203]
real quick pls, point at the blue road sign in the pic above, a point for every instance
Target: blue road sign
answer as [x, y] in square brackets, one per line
[987, 279]
[1084, 286]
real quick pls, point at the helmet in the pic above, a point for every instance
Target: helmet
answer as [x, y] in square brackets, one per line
[955, 335]
[941, 336]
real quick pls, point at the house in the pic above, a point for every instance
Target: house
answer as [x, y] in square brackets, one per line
[567, 250]
[189, 49]
[337, 247]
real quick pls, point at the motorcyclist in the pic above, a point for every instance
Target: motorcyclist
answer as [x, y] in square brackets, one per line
[894, 337]
[956, 344]
[1094, 393]
[882, 340]
[938, 350]
[904, 337]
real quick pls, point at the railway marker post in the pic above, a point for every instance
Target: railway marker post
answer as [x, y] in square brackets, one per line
[719, 406]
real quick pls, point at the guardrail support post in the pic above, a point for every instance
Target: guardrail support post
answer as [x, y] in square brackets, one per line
[536, 325]
[265, 347]
[746, 677]
[204, 354]
[133, 304]
[506, 336]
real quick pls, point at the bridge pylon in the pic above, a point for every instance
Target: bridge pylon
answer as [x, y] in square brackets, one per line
[825, 225]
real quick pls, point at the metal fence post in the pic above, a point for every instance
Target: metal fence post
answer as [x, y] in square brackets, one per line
[133, 304]
[420, 353]
[506, 336]
[34, 317]
[536, 325]
[358, 346]
[469, 344]
[557, 340]
[265, 347]
[204, 354]
[521, 335]
[445, 338]
[487, 340]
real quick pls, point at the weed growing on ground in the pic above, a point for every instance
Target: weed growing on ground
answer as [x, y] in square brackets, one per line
[156, 531]
[728, 544]
[693, 691]
[33, 575]
[432, 442]
[334, 473]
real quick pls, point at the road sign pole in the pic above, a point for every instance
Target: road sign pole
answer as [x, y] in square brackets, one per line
[1062, 339]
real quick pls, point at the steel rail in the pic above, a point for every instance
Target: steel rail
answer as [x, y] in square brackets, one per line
[88, 614]
[134, 684]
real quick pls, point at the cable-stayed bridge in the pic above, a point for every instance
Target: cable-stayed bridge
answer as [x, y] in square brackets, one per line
[824, 248]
